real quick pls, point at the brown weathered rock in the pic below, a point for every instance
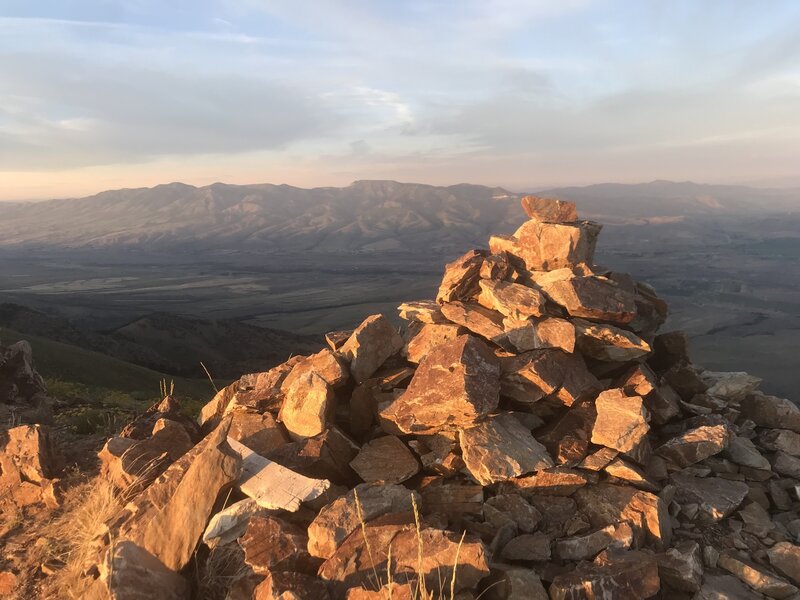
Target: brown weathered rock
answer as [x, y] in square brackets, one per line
[513, 583]
[457, 383]
[567, 437]
[734, 387]
[393, 590]
[324, 456]
[428, 338]
[781, 439]
[528, 546]
[622, 470]
[534, 375]
[548, 246]
[129, 572]
[257, 431]
[725, 587]
[168, 518]
[594, 298]
[230, 523]
[785, 557]
[786, 464]
[271, 544]
[696, 444]
[585, 547]
[681, 567]
[606, 504]
[28, 462]
[353, 565]
[500, 448]
[743, 452]
[769, 411]
[558, 481]
[511, 299]
[608, 343]
[716, 497]
[628, 576]
[372, 342]
[340, 518]
[450, 498]
[386, 460]
[535, 334]
[133, 464]
[549, 210]
[621, 422]
[460, 280]
[308, 403]
[479, 320]
[662, 402]
[598, 460]
[287, 585]
[422, 311]
[757, 578]
[516, 509]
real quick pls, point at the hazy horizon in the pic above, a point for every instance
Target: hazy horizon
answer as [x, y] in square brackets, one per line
[99, 95]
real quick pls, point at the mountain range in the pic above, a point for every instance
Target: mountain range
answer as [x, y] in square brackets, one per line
[367, 216]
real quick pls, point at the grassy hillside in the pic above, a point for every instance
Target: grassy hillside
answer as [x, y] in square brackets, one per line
[66, 363]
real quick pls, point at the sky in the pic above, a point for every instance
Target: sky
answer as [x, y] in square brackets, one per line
[104, 94]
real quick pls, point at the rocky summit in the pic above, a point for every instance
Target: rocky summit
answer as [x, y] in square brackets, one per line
[527, 434]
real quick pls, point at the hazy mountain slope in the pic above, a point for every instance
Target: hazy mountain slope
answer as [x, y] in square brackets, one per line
[170, 343]
[365, 216]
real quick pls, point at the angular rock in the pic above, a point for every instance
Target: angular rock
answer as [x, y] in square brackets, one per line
[567, 437]
[168, 518]
[608, 343]
[548, 246]
[259, 432]
[460, 281]
[757, 578]
[517, 509]
[385, 460]
[287, 585]
[743, 452]
[479, 320]
[785, 557]
[372, 342]
[308, 404]
[428, 338]
[585, 547]
[716, 497]
[340, 518]
[756, 519]
[500, 448]
[592, 297]
[629, 473]
[548, 210]
[393, 591]
[786, 464]
[230, 523]
[450, 498]
[511, 299]
[129, 572]
[734, 387]
[271, 544]
[513, 583]
[781, 440]
[621, 422]
[628, 576]
[769, 411]
[528, 547]
[681, 567]
[535, 375]
[725, 587]
[28, 462]
[598, 460]
[661, 402]
[457, 383]
[324, 456]
[535, 334]
[605, 504]
[558, 481]
[422, 311]
[696, 444]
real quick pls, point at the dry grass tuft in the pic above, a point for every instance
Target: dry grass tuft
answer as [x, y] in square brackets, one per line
[75, 533]
[418, 582]
[216, 574]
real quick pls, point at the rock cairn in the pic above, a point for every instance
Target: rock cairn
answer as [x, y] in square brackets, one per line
[528, 429]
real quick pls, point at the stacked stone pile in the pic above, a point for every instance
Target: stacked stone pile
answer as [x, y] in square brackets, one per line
[528, 429]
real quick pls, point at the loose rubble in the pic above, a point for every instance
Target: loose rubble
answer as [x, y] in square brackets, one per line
[527, 434]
